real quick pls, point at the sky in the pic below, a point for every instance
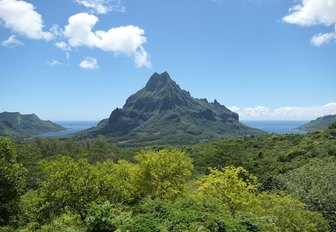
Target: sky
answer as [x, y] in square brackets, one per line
[80, 59]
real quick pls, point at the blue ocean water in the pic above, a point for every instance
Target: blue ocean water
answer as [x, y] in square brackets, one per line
[276, 126]
[72, 127]
[279, 127]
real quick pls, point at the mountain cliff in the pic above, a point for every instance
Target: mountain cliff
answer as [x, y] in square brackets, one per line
[20, 126]
[163, 113]
[319, 123]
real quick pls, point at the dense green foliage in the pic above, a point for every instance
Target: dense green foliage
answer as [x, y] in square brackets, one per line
[163, 174]
[261, 183]
[20, 126]
[315, 184]
[267, 157]
[73, 195]
[319, 123]
[163, 113]
[12, 181]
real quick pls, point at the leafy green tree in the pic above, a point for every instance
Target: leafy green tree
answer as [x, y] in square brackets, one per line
[190, 214]
[68, 185]
[66, 222]
[235, 189]
[28, 211]
[288, 214]
[315, 185]
[46, 147]
[163, 174]
[232, 187]
[105, 217]
[117, 181]
[12, 181]
[101, 141]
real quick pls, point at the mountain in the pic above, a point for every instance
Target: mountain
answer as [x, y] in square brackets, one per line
[20, 126]
[319, 123]
[163, 113]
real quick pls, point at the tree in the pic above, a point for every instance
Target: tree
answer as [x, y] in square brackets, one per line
[68, 185]
[73, 186]
[12, 181]
[106, 217]
[116, 181]
[232, 187]
[163, 174]
[235, 189]
[315, 185]
[287, 213]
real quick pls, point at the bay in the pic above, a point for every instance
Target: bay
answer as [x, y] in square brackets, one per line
[72, 127]
[276, 126]
[272, 126]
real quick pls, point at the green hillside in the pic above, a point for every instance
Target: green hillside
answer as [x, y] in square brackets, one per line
[163, 113]
[319, 123]
[20, 126]
[256, 183]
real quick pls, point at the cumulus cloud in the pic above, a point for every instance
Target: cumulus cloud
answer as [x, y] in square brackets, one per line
[11, 42]
[314, 12]
[89, 63]
[285, 112]
[126, 40]
[321, 38]
[102, 6]
[21, 17]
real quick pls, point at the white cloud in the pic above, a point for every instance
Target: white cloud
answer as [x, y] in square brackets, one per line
[285, 112]
[102, 6]
[11, 42]
[89, 63]
[54, 63]
[126, 40]
[257, 111]
[321, 39]
[234, 109]
[64, 46]
[79, 30]
[21, 17]
[314, 12]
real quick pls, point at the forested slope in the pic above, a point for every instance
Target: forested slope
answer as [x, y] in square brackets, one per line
[261, 183]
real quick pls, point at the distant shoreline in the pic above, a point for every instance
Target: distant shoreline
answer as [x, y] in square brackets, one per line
[277, 126]
[271, 126]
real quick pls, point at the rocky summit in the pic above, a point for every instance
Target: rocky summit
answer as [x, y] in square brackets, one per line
[163, 113]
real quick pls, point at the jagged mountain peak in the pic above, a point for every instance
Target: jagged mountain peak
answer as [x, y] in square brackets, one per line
[160, 93]
[162, 113]
[158, 81]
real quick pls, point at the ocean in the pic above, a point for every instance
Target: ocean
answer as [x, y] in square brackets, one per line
[279, 127]
[276, 126]
[72, 127]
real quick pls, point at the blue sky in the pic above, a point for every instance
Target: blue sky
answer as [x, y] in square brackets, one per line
[80, 59]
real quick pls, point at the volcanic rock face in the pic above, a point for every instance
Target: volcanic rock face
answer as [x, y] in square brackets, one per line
[163, 113]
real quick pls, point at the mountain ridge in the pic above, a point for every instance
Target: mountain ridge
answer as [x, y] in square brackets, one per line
[20, 126]
[163, 113]
[318, 124]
